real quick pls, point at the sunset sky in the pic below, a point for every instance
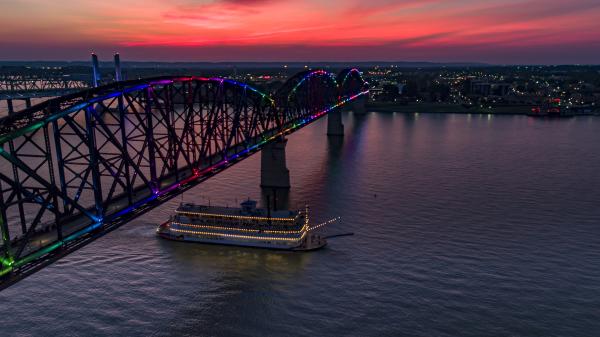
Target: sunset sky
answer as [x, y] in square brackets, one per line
[510, 31]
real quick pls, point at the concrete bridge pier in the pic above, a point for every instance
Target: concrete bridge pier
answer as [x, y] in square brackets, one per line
[274, 172]
[334, 123]
[359, 105]
[275, 198]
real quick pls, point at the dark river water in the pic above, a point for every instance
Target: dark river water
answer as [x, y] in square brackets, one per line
[464, 226]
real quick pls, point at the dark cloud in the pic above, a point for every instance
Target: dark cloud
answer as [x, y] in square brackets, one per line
[569, 53]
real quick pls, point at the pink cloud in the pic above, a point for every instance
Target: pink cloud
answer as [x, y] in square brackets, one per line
[430, 28]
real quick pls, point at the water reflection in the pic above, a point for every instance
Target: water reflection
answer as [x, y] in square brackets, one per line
[247, 263]
[242, 286]
[334, 148]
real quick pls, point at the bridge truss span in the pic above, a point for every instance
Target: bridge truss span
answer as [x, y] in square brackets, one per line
[78, 166]
[18, 85]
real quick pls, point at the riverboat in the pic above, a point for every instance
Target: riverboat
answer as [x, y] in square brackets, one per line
[246, 226]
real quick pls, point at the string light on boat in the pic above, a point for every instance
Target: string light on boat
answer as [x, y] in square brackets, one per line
[303, 229]
[324, 223]
[239, 236]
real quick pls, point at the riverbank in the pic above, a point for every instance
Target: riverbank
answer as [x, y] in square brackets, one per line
[429, 107]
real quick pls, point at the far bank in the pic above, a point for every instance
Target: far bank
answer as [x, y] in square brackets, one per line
[431, 107]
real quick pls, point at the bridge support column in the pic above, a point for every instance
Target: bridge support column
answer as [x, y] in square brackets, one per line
[118, 74]
[9, 103]
[359, 106]
[95, 71]
[273, 171]
[334, 123]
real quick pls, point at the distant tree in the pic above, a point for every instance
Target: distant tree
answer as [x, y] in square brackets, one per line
[441, 91]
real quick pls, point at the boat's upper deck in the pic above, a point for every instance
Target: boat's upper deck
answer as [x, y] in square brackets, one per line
[190, 209]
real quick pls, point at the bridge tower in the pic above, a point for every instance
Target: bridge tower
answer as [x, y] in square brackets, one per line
[273, 171]
[118, 75]
[95, 71]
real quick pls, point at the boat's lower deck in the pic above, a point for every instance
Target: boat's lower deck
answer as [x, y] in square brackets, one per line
[307, 241]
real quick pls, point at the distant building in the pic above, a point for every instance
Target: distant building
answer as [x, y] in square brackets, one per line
[400, 88]
[501, 89]
[482, 88]
[485, 88]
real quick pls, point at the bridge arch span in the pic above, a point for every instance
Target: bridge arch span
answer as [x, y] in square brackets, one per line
[79, 165]
[351, 82]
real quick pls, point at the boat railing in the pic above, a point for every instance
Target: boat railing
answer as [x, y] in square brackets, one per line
[244, 225]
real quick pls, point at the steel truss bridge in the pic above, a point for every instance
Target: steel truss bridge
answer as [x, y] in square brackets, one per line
[78, 166]
[22, 86]
[19, 88]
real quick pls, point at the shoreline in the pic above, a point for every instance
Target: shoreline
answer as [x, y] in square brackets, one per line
[447, 108]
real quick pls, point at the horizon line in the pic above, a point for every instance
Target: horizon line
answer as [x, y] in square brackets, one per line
[477, 63]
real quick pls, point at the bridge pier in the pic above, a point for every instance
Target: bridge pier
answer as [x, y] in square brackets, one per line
[359, 105]
[276, 198]
[9, 103]
[274, 172]
[334, 123]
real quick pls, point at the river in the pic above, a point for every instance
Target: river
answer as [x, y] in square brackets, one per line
[468, 225]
